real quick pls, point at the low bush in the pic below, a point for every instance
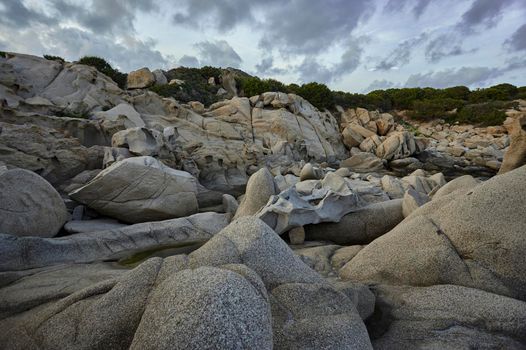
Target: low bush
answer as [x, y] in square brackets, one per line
[484, 114]
[432, 109]
[54, 58]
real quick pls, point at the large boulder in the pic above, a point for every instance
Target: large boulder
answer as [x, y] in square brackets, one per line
[363, 162]
[140, 79]
[307, 312]
[360, 226]
[446, 317]
[260, 188]
[206, 308]
[29, 205]
[397, 145]
[140, 189]
[516, 154]
[473, 238]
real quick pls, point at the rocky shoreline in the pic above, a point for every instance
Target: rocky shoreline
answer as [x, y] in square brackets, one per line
[128, 220]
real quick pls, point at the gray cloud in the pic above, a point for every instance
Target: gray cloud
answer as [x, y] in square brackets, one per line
[482, 13]
[308, 27]
[445, 45]
[292, 26]
[105, 16]
[312, 70]
[15, 14]
[127, 54]
[189, 61]
[224, 15]
[417, 6]
[218, 53]
[452, 77]
[401, 55]
[380, 85]
[517, 42]
[266, 67]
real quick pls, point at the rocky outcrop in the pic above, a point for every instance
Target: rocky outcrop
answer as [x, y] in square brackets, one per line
[445, 317]
[29, 205]
[233, 308]
[244, 288]
[19, 253]
[360, 226]
[47, 152]
[515, 156]
[301, 301]
[461, 238]
[140, 189]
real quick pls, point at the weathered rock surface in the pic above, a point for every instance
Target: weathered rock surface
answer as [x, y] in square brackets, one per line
[307, 312]
[292, 208]
[85, 226]
[140, 79]
[19, 253]
[446, 317]
[205, 308]
[140, 189]
[46, 152]
[516, 154]
[29, 205]
[360, 226]
[475, 240]
[260, 188]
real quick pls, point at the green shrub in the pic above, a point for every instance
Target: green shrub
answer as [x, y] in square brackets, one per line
[3, 54]
[54, 58]
[317, 94]
[484, 114]
[437, 108]
[105, 68]
[501, 92]
[521, 93]
[252, 86]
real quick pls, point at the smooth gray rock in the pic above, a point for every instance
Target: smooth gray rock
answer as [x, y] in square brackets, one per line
[464, 183]
[360, 295]
[19, 253]
[115, 308]
[30, 288]
[324, 318]
[140, 189]
[94, 225]
[251, 242]
[412, 201]
[475, 240]
[308, 172]
[205, 308]
[260, 188]
[29, 205]
[307, 312]
[292, 208]
[360, 226]
[446, 317]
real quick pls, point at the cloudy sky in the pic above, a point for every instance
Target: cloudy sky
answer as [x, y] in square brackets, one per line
[351, 45]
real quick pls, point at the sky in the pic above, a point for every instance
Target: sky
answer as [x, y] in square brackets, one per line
[350, 45]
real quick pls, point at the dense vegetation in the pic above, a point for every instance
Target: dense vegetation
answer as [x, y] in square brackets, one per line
[104, 67]
[195, 86]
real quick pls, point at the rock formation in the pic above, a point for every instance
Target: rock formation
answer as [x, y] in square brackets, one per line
[132, 221]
